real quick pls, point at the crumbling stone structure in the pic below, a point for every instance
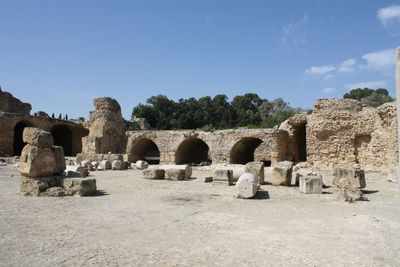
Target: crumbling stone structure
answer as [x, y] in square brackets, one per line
[15, 117]
[344, 132]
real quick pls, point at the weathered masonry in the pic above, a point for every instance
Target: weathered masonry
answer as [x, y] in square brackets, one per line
[15, 116]
[338, 132]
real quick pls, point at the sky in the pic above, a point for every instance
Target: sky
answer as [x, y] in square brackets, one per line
[60, 55]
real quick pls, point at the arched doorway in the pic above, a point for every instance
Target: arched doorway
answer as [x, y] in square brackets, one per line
[243, 151]
[193, 151]
[145, 149]
[18, 143]
[63, 137]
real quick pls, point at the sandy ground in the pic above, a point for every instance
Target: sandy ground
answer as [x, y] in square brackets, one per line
[133, 221]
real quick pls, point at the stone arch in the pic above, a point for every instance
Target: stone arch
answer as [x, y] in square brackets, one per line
[18, 143]
[145, 149]
[193, 151]
[243, 151]
[62, 136]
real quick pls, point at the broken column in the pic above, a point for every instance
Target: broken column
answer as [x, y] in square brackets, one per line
[256, 168]
[282, 173]
[246, 186]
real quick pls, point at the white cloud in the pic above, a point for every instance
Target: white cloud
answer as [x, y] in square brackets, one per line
[390, 18]
[329, 90]
[320, 70]
[382, 60]
[294, 33]
[329, 77]
[347, 65]
[369, 84]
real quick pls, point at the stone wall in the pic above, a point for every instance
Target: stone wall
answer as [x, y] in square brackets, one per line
[344, 132]
[10, 104]
[259, 144]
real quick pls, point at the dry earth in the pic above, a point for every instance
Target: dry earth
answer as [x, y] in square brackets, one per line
[133, 221]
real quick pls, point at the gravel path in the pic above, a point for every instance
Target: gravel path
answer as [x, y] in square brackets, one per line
[133, 221]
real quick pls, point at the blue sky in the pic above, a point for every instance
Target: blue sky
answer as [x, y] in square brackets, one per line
[60, 55]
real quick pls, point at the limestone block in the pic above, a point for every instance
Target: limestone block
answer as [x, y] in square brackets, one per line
[282, 173]
[223, 176]
[126, 165]
[117, 165]
[175, 174]
[35, 186]
[141, 164]
[79, 186]
[355, 176]
[38, 162]
[105, 165]
[111, 157]
[246, 186]
[95, 165]
[37, 137]
[76, 171]
[154, 174]
[60, 158]
[56, 191]
[256, 168]
[311, 184]
[186, 168]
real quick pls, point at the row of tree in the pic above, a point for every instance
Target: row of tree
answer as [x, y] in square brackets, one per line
[208, 113]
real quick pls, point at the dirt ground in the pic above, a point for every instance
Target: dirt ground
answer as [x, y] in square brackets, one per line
[138, 222]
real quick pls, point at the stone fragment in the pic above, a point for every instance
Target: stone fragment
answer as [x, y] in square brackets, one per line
[355, 176]
[56, 191]
[105, 165]
[95, 165]
[282, 173]
[186, 168]
[223, 176]
[126, 165]
[141, 164]
[348, 192]
[208, 179]
[60, 158]
[38, 162]
[392, 175]
[311, 184]
[76, 171]
[79, 186]
[246, 186]
[117, 165]
[153, 174]
[37, 137]
[256, 168]
[35, 186]
[175, 174]
[111, 157]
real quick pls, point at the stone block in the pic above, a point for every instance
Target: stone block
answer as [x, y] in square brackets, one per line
[246, 186]
[311, 184]
[223, 176]
[208, 179]
[153, 174]
[355, 176]
[186, 168]
[256, 168]
[37, 137]
[175, 174]
[117, 165]
[111, 157]
[105, 165]
[79, 186]
[282, 173]
[141, 164]
[35, 186]
[60, 158]
[38, 162]
[348, 192]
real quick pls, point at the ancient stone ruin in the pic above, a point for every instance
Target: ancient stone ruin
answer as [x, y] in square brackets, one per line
[42, 168]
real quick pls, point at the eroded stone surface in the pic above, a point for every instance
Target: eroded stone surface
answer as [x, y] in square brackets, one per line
[153, 174]
[38, 162]
[355, 176]
[223, 176]
[246, 186]
[37, 137]
[311, 184]
[175, 174]
[282, 173]
[256, 168]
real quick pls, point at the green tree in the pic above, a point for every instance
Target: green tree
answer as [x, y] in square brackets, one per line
[246, 109]
[369, 97]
